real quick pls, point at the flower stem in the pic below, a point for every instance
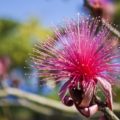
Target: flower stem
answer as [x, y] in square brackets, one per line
[109, 114]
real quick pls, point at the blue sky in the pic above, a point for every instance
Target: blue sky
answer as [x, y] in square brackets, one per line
[48, 11]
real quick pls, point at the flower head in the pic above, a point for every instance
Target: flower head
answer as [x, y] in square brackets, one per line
[103, 8]
[99, 3]
[84, 57]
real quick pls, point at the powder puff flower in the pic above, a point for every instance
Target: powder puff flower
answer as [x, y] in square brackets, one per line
[84, 57]
[103, 8]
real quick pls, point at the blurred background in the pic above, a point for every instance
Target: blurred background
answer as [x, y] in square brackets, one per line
[22, 23]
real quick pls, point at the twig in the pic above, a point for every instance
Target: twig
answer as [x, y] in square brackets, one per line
[111, 28]
[37, 99]
[46, 102]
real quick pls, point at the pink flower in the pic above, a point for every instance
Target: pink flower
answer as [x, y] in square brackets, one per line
[84, 58]
[103, 8]
[98, 3]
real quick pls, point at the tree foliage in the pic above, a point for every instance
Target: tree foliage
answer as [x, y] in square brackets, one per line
[17, 39]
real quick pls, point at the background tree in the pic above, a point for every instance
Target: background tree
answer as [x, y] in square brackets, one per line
[16, 39]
